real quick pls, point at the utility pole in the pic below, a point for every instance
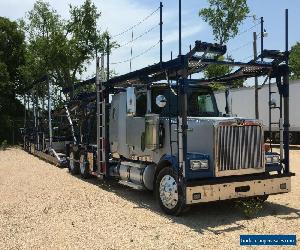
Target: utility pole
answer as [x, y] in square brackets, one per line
[130, 65]
[160, 31]
[107, 58]
[256, 80]
[180, 28]
[261, 37]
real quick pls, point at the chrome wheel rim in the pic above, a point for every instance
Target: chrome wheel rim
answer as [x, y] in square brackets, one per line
[168, 191]
[82, 164]
[71, 160]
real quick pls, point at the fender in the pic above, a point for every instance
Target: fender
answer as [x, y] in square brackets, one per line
[171, 160]
[165, 161]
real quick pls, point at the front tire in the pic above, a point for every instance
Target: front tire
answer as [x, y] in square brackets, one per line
[169, 194]
[84, 166]
[73, 163]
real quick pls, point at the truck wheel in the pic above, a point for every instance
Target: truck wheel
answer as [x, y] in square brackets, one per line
[84, 166]
[73, 164]
[168, 192]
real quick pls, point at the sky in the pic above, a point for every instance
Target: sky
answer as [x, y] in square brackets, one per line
[119, 15]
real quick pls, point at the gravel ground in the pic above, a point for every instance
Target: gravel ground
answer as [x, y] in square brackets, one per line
[44, 207]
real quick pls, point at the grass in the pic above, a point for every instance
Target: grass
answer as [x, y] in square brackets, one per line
[4, 145]
[250, 206]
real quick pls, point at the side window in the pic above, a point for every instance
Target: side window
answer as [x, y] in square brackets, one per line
[141, 104]
[205, 104]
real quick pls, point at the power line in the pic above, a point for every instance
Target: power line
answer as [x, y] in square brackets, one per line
[138, 37]
[240, 47]
[246, 30]
[134, 57]
[137, 24]
[248, 57]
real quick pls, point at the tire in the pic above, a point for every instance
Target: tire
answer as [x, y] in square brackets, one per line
[84, 166]
[73, 163]
[169, 194]
[292, 138]
[276, 137]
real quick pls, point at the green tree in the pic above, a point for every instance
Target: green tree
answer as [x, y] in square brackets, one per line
[12, 49]
[215, 71]
[63, 48]
[224, 16]
[295, 61]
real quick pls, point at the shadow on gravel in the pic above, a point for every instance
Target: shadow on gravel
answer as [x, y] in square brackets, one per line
[216, 217]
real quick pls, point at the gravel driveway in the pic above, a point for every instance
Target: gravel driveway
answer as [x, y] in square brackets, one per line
[44, 207]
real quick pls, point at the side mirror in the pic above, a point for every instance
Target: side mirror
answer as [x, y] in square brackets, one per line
[131, 101]
[161, 101]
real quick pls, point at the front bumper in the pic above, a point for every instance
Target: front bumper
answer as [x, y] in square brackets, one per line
[237, 189]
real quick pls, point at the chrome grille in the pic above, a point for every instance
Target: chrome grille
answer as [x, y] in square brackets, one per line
[239, 147]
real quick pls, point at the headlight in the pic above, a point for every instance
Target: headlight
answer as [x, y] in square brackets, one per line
[269, 159]
[275, 159]
[199, 164]
[272, 159]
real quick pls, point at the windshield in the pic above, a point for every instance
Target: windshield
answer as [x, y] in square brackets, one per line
[201, 103]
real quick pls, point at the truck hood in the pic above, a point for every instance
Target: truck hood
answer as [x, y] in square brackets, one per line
[196, 121]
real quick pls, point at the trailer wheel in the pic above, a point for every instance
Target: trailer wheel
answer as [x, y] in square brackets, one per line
[169, 194]
[292, 138]
[73, 163]
[84, 166]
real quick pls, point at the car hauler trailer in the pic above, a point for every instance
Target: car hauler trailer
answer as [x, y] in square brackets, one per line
[163, 132]
[46, 135]
[85, 145]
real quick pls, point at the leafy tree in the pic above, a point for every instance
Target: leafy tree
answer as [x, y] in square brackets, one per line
[295, 61]
[224, 16]
[62, 48]
[12, 49]
[216, 70]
